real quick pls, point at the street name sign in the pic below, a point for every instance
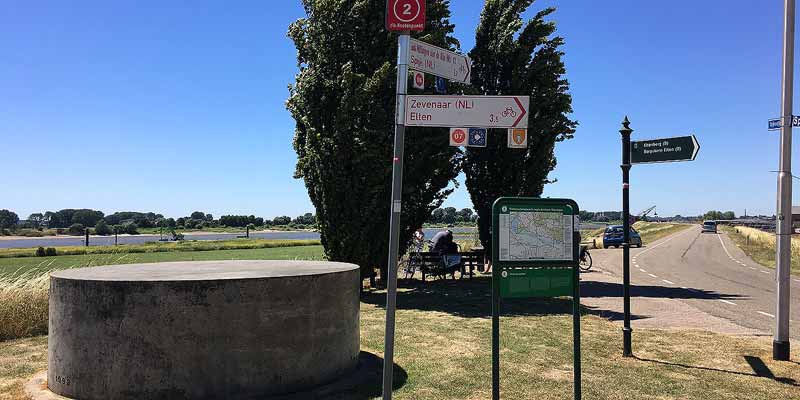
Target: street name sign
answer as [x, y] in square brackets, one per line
[475, 111]
[517, 138]
[682, 148]
[405, 15]
[440, 62]
[775, 123]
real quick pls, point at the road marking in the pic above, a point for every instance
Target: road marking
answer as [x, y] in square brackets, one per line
[727, 302]
[664, 242]
[642, 270]
[764, 272]
[767, 314]
[724, 247]
[797, 280]
[664, 280]
[753, 268]
[652, 275]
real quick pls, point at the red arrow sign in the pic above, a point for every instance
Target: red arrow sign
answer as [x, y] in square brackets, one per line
[472, 111]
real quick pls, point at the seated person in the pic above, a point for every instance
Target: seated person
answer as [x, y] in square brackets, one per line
[443, 243]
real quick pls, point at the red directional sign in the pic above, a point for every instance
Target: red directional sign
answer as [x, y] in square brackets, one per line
[471, 111]
[405, 15]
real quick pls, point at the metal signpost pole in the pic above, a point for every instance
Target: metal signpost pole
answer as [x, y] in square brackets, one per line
[626, 227]
[783, 230]
[576, 326]
[495, 326]
[396, 208]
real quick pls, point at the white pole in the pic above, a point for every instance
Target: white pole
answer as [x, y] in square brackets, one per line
[783, 228]
[396, 207]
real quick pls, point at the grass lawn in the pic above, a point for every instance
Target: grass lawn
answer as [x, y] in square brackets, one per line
[443, 351]
[21, 265]
[155, 247]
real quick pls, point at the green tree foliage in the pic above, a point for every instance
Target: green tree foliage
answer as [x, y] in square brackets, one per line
[284, 220]
[87, 217]
[465, 215]
[343, 103]
[198, 215]
[36, 220]
[130, 228]
[65, 218]
[240, 220]
[76, 229]
[716, 215]
[102, 228]
[144, 220]
[450, 215]
[512, 57]
[8, 219]
[306, 219]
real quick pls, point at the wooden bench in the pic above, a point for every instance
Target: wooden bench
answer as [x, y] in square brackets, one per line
[432, 264]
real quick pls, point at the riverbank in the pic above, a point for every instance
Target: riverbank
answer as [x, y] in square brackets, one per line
[155, 233]
[161, 247]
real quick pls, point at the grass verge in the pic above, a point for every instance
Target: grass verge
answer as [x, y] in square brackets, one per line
[160, 247]
[760, 245]
[22, 265]
[443, 351]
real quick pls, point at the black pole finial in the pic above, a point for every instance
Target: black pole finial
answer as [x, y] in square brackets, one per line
[626, 126]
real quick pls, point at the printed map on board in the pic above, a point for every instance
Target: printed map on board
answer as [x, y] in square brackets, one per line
[536, 235]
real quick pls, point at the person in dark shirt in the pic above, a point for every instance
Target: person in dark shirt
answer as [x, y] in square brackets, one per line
[443, 243]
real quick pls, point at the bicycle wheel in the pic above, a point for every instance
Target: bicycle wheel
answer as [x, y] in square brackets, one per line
[586, 262]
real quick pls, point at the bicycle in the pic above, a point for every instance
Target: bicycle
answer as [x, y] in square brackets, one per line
[414, 261]
[509, 112]
[585, 260]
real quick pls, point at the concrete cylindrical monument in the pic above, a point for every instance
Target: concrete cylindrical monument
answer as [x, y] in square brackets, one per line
[202, 330]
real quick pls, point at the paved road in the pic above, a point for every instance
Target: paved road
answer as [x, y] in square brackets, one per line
[707, 272]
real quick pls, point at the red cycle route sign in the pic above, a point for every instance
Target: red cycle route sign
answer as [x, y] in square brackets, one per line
[405, 15]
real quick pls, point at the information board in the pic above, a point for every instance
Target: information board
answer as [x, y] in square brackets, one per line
[535, 231]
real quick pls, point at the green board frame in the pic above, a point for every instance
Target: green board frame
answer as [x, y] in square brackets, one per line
[505, 205]
[535, 278]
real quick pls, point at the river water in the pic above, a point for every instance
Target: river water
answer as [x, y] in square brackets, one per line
[140, 239]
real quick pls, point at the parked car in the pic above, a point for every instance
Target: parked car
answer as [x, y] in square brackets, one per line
[614, 234]
[709, 226]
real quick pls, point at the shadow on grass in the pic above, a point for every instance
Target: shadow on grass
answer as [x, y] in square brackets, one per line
[365, 383]
[760, 369]
[472, 298]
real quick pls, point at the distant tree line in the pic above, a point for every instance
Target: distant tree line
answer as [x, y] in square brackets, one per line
[449, 215]
[75, 221]
[716, 215]
[602, 216]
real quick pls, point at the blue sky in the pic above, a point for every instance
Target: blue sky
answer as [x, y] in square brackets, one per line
[175, 106]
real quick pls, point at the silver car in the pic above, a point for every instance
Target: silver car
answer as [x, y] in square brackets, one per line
[710, 226]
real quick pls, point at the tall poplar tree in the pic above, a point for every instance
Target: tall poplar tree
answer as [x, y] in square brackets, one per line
[512, 57]
[343, 103]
